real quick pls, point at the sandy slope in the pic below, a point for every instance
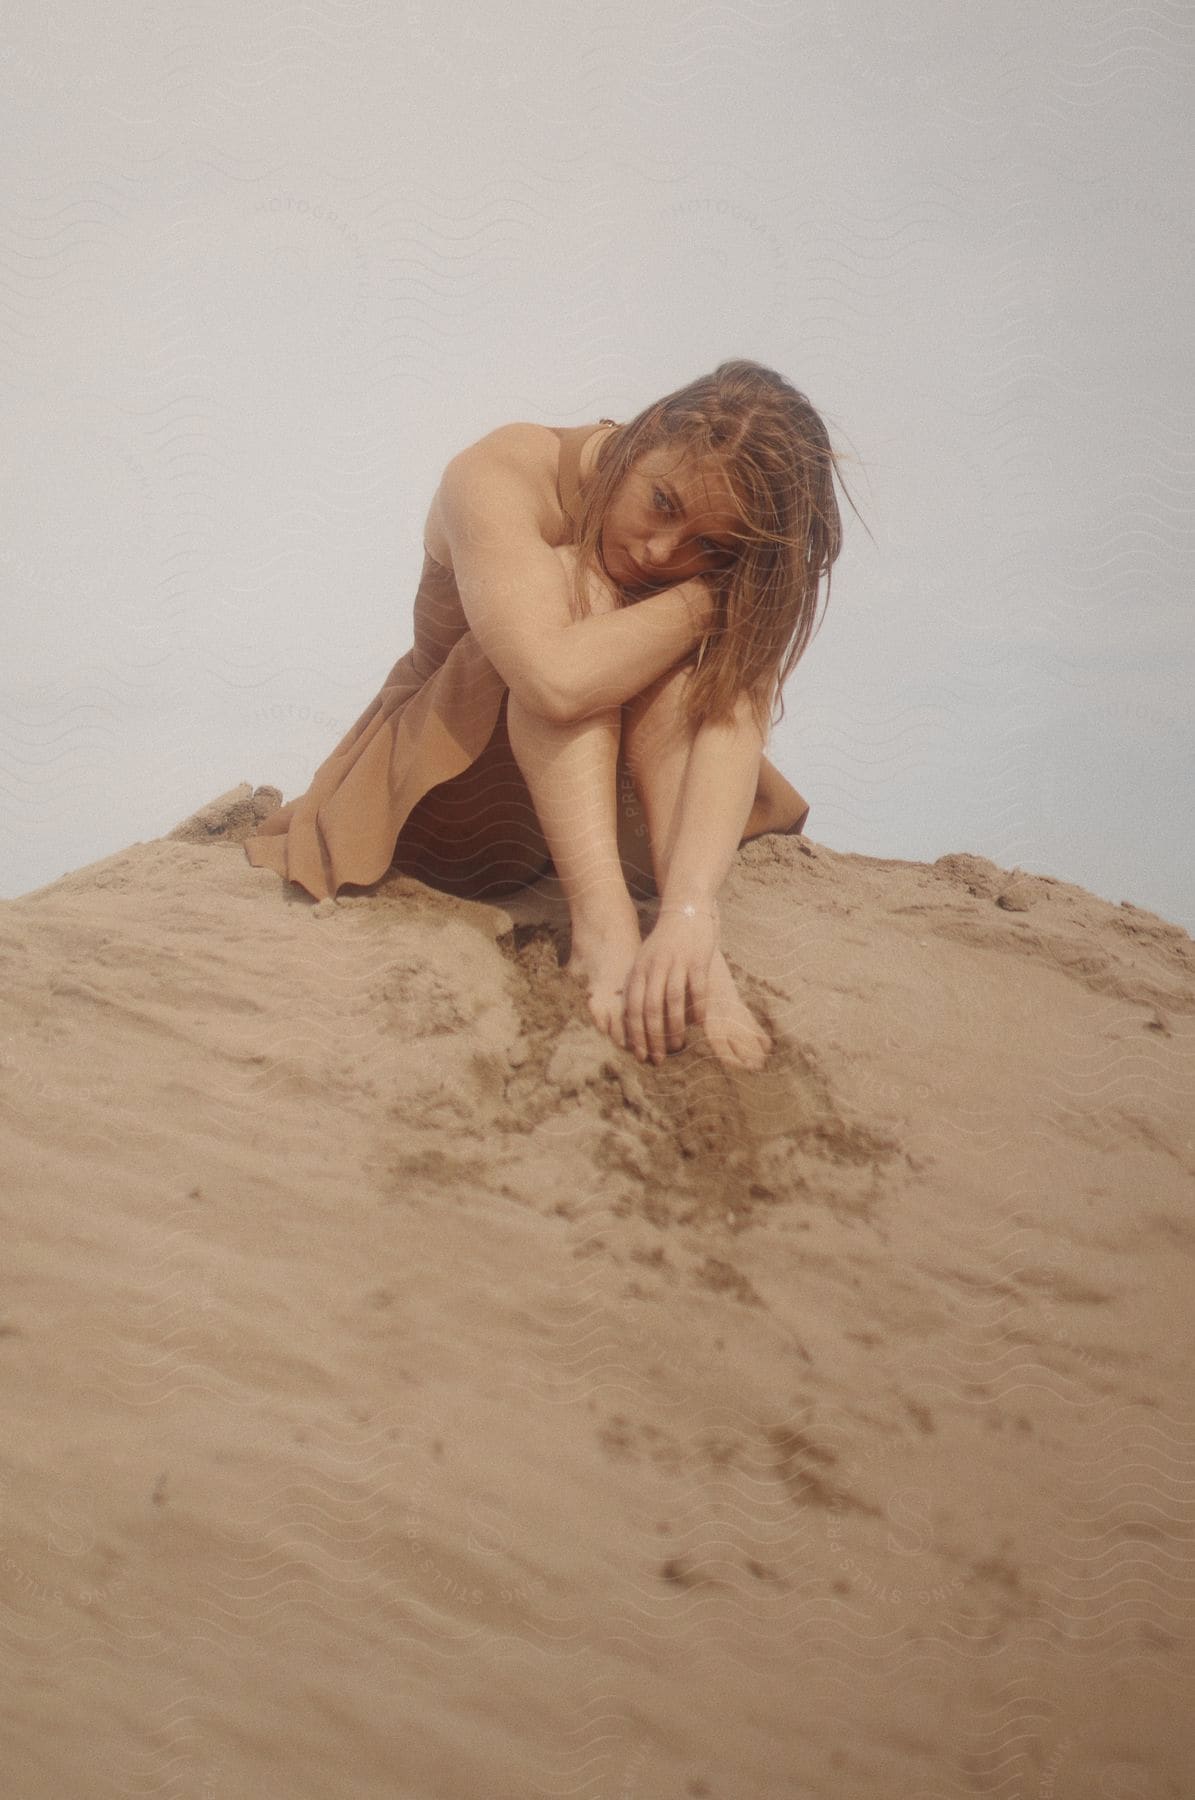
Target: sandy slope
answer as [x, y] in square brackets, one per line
[405, 1393]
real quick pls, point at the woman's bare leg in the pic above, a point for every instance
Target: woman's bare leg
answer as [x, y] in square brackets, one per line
[571, 772]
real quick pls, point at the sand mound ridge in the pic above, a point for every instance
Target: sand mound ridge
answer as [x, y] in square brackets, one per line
[405, 1391]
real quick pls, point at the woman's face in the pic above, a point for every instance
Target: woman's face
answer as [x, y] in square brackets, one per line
[671, 517]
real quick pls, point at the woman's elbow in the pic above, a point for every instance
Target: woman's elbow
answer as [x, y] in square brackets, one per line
[542, 696]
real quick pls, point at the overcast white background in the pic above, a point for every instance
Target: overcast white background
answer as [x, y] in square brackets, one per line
[266, 268]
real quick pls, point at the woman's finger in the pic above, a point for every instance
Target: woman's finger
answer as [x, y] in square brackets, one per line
[674, 1006]
[632, 1022]
[653, 1012]
[634, 1010]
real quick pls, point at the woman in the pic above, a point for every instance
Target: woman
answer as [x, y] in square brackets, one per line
[597, 603]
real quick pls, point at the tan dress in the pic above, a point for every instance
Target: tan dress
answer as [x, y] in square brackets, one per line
[436, 712]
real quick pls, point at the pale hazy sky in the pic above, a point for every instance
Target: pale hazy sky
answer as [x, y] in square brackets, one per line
[266, 269]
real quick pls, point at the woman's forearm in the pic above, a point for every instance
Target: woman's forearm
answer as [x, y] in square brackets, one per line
[608, 658]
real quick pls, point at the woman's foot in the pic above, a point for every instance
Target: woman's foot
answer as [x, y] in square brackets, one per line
[601, 958]
[735, 1035]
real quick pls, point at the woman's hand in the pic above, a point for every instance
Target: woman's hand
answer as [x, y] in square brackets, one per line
[605, 595]
[703, 604]
[602, 594]
[672, 965]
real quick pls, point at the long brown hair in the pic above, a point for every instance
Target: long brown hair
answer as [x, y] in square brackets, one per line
[776, 454]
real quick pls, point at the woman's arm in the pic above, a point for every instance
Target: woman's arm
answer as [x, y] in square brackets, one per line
[608, 658]
[676, 962]
[515, 591]
[720, 783]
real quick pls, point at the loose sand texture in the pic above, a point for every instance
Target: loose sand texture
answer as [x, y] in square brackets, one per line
[406, 1395]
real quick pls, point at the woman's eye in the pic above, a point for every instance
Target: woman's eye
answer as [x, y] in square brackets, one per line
[661, 500]
[719, 552]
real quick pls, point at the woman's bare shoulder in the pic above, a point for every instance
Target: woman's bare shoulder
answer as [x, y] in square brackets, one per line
[520, 441]
[532, 454]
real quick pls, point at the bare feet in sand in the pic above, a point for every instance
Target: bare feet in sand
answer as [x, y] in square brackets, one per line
[735, 1035]
[601, 959]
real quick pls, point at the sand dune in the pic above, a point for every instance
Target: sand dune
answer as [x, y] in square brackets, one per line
[406, 1393]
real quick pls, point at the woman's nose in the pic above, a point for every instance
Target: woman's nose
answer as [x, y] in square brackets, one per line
[661, 550]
